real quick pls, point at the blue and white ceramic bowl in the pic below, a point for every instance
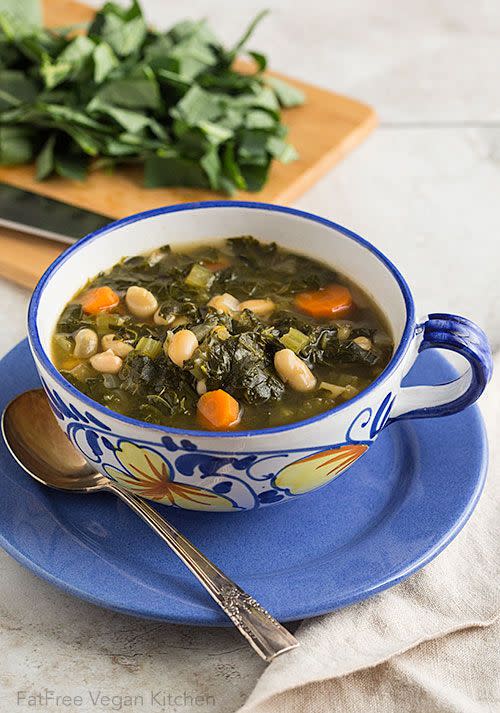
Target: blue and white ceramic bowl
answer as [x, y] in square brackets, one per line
[242, 470]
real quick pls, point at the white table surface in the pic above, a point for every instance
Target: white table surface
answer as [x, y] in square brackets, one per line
[424, 188]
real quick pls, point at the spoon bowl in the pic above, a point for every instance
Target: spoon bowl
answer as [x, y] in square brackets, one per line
[42, 449]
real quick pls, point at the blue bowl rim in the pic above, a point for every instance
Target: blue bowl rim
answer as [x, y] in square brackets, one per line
[35, 342]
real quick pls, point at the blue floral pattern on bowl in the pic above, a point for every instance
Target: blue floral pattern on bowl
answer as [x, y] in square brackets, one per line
[177, 473]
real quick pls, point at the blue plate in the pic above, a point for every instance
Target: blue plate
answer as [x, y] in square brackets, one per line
[394, 510]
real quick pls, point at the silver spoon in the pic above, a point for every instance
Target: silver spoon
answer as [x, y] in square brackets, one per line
[42, 449]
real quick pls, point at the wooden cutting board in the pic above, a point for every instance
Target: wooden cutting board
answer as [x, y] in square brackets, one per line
[324, 130]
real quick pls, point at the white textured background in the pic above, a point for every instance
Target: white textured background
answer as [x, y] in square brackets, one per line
[425, 188]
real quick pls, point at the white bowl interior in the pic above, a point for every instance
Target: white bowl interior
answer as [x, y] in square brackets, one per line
[213, 223]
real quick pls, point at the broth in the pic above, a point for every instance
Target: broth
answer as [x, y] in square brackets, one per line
[237, 334]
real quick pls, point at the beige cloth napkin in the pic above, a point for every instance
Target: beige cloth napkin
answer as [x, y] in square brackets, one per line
[429, 644]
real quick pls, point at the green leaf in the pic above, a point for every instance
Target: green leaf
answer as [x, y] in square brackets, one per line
[255, 176]
[54, 73]
[173, 171]
[16, 145]
[182, 84]
[124, 33]
[253, 147]
[281, 150]
[211, 164]
[259, 119]
[105, 61]
[197, 105]
[15, 89]
[263, 98]
[85, 139]
[25, 14]
[67, 114]
[77, 51]
[72, 167]
[215, 133]
[131, 93]
[288, 95]
[45, 160]
[260, 60]
[70, 62]
[190, 57]
[248, 33]
[232, 169]
[132, 121]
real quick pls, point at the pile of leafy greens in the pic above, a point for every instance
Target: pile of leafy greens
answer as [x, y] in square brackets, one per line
[122, 92]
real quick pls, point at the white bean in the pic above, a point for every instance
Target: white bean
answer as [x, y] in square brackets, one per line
[363, 342]
[181, 346]
[118, 347]
[263, 308]
[86, 343]
[141, 302]
[224, 303]
[294, 371]
[106, 362]
[159, 319]
[201, 387]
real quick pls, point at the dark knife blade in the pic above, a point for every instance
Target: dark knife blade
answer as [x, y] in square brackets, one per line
[46, 217]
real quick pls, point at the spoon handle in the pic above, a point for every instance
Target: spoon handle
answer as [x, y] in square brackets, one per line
[266, 635]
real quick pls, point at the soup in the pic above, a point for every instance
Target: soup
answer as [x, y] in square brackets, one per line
[237, 335]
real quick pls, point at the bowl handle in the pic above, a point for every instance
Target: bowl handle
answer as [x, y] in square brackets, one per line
[447, 331]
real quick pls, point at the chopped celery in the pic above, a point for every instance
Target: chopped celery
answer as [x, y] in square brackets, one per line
[104, 321]
[334, 389]
[347, 380]
[199, 277]
[64, 343]
[349, 392]
[295, 340]
[149, 347]
[82, 372]
[111, 381]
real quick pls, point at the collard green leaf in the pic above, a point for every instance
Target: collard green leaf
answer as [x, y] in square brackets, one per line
[123, 30]
[16, 145]
[45, 160]
[25, 14]
[255, 176]
[247, 34]
[281, 150]
[231, 168]
[210, 163]
[71, 166]
[260, 60]
[287, 94]
[197, 105]
[173, 171]
[105, 61]
[131, 93]
[15, 89]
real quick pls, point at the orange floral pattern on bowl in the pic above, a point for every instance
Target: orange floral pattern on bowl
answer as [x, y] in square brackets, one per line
[314, 471]
[147, 474]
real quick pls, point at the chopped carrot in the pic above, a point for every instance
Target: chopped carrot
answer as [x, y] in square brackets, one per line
[99, 299]
[331, 301]
[218, 410]
[216, 265]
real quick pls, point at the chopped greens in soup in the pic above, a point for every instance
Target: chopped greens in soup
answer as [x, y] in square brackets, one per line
[237, 335]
